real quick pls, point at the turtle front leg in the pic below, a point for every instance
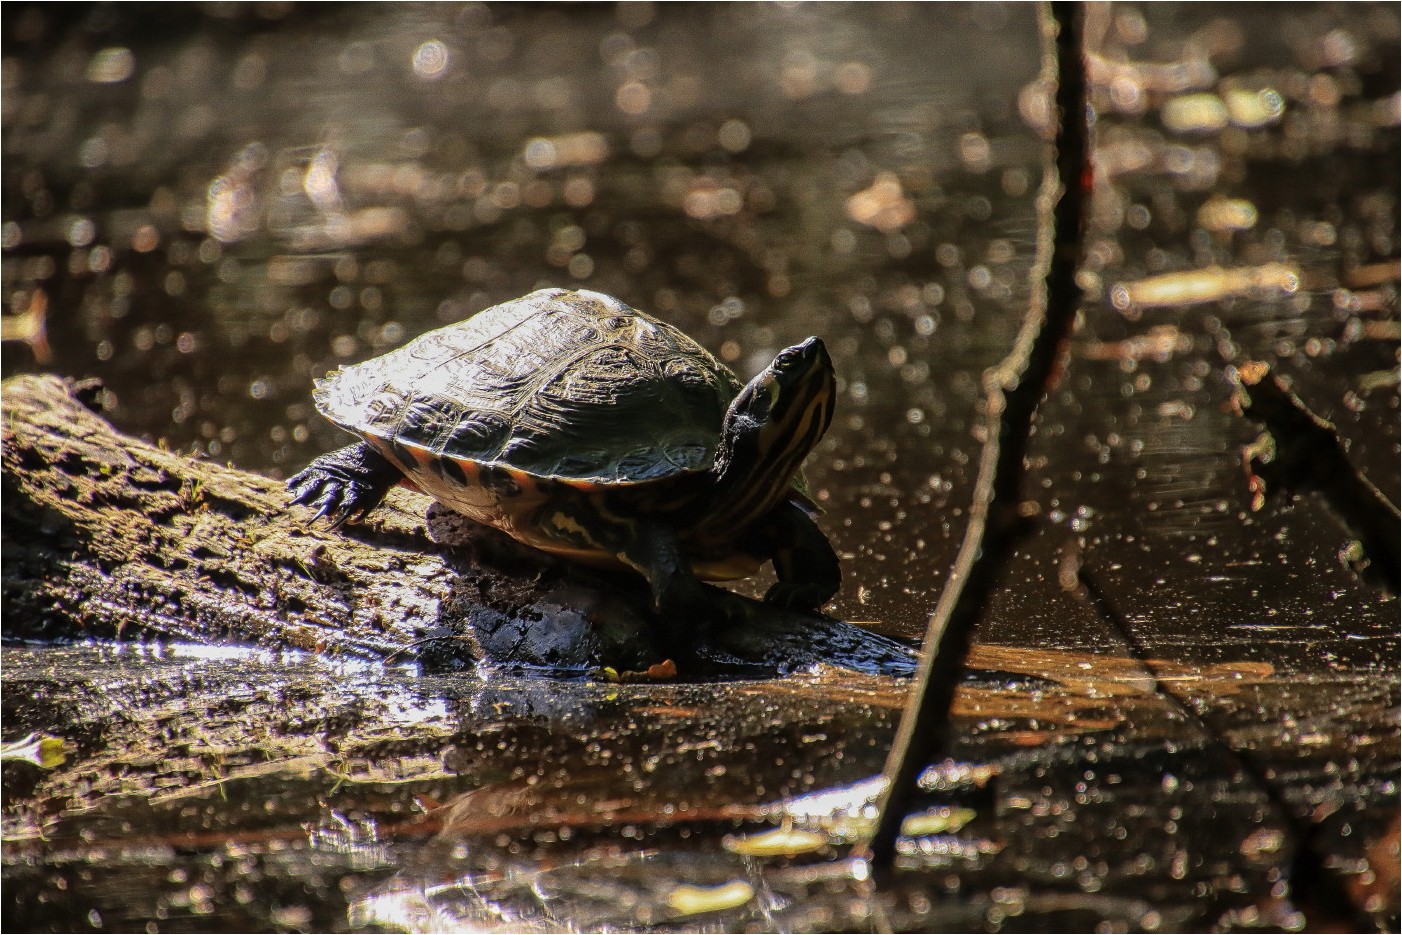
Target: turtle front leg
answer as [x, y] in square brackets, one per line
[345, 484]
[807, 567]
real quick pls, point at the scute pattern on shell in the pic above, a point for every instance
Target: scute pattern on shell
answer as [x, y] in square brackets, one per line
[558, 384]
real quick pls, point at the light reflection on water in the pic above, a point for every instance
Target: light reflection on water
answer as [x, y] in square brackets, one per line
[573, 806]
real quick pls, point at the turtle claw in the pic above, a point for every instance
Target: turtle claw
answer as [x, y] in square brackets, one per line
[335, 515]
[799, 598]
[349, 509]
[339, 503]
[344, 486]
[315, 491]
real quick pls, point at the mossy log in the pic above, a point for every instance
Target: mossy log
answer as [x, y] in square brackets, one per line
[108, 536]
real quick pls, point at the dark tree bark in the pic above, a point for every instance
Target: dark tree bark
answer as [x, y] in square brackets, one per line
[108, 536]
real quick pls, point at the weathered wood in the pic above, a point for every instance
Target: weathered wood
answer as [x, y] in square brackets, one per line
[108, 536]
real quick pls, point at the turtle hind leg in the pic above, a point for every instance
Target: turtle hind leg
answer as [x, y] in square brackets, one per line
[345, 484]
[680, 601]
[685, 611]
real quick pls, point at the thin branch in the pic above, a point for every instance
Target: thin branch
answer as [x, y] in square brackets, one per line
[1302, 451]
[998, 516]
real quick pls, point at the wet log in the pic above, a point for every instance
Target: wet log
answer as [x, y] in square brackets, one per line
[107, 536]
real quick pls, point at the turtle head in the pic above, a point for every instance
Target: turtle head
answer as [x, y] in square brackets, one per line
[769, 429]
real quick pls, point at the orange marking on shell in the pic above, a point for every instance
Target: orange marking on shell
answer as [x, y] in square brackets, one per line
[527, 482]
[383, 446]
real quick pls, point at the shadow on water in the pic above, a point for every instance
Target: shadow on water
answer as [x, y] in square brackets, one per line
[211, 206]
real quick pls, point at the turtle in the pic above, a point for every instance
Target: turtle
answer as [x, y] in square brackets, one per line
[588, 429]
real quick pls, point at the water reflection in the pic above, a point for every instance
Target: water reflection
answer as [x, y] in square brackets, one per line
[649, 805]
[783, 878]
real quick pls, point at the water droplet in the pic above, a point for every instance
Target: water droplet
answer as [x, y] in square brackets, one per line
[430, 59]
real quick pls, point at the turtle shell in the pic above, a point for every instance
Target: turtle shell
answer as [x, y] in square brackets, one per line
[559, 384]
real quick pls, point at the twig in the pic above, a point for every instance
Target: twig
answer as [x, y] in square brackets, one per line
[998, 517]
[1299, 451]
